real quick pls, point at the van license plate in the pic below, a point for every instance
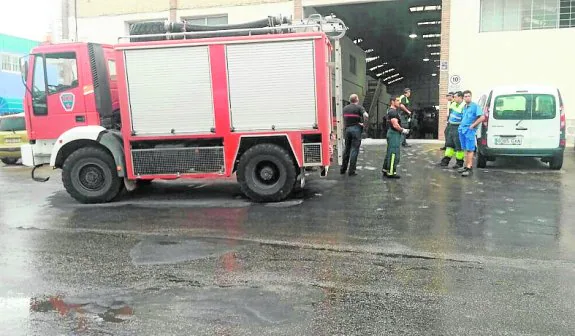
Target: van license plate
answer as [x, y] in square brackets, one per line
[506, 141]
[12, 140]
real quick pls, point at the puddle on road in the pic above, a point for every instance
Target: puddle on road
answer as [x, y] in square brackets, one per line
[240, 306]
[159, 251]
[111, 309]
[232, 306]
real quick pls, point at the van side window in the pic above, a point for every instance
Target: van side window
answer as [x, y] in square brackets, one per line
[482, 101]
[62, 72]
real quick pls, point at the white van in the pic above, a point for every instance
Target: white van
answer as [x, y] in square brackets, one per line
[522, 121]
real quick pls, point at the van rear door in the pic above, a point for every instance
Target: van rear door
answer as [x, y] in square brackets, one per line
[510, 122]
[545, 115]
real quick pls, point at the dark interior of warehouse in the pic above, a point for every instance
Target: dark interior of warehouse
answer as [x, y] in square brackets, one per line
[402, 44]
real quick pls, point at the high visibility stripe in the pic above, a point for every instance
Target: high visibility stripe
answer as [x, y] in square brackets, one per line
[449, 152]
[391, 172]
[460, 155]
[457, 107]
[455, 113]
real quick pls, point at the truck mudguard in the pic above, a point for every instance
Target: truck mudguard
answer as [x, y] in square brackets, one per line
[113, 141]
[97, 134]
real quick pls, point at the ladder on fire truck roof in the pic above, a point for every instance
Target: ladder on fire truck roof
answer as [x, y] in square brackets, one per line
[333, 27]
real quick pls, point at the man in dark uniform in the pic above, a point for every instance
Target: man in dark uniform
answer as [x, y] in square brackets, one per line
[353, 115]
[405, 114]
[394, 136]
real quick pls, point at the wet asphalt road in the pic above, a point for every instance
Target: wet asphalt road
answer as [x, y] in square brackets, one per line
[431, 254]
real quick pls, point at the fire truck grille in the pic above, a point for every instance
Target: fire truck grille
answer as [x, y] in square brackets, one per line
[185, 160]
[312, 154]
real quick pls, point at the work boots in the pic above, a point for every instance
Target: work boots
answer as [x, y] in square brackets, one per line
[445, 161]
[458, 164]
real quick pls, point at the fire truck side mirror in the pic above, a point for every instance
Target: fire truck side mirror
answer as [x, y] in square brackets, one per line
[24, 68]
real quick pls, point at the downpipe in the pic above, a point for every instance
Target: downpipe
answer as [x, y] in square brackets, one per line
[39, 179]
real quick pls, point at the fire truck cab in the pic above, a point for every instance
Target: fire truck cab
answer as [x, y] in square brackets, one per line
[182, 106]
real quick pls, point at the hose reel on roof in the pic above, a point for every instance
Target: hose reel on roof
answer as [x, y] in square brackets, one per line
[175, 30]
[333, 27]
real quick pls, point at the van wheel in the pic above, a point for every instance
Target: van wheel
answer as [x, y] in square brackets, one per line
[89, 175]
[9, 161]
[481, 161]
[556, 162]
[266, 173]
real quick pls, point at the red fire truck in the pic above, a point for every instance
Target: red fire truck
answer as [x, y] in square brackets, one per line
[206, 104]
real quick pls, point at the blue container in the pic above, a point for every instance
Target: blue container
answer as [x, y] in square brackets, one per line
[11, 105]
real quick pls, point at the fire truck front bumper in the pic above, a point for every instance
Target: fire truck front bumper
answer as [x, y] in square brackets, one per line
[33, 158]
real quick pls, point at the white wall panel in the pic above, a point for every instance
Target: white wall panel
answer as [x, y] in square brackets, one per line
[510, 57]
[170, 88]
[272, 83]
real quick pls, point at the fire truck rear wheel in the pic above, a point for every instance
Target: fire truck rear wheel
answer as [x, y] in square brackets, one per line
[266, 173]
[89, 175]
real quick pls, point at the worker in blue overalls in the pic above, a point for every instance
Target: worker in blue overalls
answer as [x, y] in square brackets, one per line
[472, 118]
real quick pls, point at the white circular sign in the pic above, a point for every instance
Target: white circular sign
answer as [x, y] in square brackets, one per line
[455, 79]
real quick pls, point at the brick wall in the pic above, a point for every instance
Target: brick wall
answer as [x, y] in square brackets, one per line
[298, 9]
[444, 75]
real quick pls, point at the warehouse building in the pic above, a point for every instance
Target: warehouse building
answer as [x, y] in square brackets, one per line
[11, 87]
[431, 46]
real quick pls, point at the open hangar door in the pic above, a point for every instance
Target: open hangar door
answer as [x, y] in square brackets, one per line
[401, 41]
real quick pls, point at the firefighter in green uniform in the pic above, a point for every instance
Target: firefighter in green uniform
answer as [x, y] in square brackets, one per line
[452, 142]
[405, 114]
[394, 134]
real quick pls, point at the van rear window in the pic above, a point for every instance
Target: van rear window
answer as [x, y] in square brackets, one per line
[525, 107]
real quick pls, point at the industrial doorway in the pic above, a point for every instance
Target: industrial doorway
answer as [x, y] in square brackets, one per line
[401, 42]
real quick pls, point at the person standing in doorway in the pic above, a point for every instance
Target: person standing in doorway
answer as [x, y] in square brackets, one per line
[394, 137]
[472, 118]
[449, 98]
[353, 116]
[405, 114]
[452, 142]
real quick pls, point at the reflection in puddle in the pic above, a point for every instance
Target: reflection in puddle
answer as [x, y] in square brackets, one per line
[114, 310]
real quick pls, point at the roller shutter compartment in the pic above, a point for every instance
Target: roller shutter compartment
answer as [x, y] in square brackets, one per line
[170, 90]
[272, 85]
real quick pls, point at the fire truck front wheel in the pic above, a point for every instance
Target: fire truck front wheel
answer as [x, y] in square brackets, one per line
[266, 173]
[89, 175]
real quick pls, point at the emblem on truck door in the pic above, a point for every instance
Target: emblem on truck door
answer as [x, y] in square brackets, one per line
[67, 99]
